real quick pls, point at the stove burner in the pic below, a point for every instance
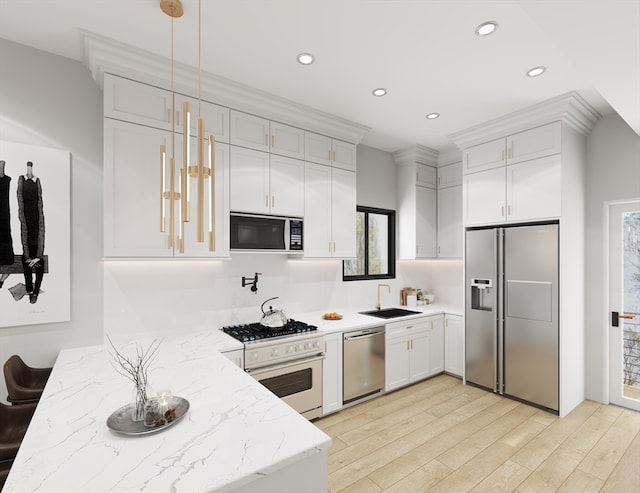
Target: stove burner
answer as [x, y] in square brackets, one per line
[256, 331]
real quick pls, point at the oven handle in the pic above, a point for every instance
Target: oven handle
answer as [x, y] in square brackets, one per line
[288, 364]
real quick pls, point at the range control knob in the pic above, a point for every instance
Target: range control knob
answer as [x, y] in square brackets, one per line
[290, 349]
[275, 352]
[307, 345]
[298, 347]
[253, 356]
[316, 344]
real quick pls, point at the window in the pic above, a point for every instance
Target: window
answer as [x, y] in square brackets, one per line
[375, 247]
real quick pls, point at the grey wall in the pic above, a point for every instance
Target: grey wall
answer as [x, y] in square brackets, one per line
[52, 101]
[613, 174]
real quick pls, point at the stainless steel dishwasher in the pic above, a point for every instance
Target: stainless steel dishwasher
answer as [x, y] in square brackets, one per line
[362, 363]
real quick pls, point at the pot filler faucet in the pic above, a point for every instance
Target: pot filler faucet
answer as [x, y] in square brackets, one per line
[379, 286]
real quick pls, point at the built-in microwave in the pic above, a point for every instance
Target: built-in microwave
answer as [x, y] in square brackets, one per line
[253, 232]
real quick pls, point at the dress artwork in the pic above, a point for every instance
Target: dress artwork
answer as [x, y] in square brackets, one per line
[32, 232]
[6, 243]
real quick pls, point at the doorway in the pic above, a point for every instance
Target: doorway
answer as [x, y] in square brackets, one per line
[624, 303]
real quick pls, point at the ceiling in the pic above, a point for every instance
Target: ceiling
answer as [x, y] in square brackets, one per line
[424, 52]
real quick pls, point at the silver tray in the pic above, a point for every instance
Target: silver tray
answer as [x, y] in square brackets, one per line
[120, 421]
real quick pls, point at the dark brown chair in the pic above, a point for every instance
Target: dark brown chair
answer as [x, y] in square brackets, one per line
[14, 421]
[24, 384]
[5, 467]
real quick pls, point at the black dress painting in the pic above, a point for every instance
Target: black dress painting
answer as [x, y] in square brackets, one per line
[6, 243]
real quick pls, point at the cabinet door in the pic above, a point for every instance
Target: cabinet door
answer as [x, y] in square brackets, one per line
[343, 213]
[249, 181]
[484, 156]
[426, 217]
[450, 175]
[534, 189]
[534, 143]
[237, 356]
[419, 355]
[249, 131]
[426, 176]
[216, 118]
[317, 148]
[450, 228]
[317, 211]
[453, 345]
[343, 155]
[132, 191]
[193, 248]
[396, 362]
[287, 141]
[484, 196]
[332, 374]
[287, 186]
[136, 102]
[436, 345]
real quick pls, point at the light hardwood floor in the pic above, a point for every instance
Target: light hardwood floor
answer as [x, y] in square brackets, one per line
[442, 436]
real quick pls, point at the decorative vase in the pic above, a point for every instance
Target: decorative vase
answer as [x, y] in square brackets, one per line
[139, 401]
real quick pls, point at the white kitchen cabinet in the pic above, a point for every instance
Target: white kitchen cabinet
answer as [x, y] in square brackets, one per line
[453, 345]
[525, 191]
[135, 102]
[265, 183]
[450, 175]
[426, 222]
[332, 373]
[426, 176]
[330, 212]
[321, 149]
[216, 119]
[236, 355]
[534, 143]
[286, 140]
[132, 195]
[132, 190]
[450, 230]
[249, 131]
[413, 350]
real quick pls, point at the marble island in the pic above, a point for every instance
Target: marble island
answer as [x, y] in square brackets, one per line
[236, 436]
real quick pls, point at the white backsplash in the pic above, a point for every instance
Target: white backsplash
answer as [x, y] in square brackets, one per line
[160, 296]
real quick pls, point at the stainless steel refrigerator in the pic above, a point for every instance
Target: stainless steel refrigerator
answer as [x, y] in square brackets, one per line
[511, 311]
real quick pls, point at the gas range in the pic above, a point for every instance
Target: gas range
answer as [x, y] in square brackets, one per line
[264, 346]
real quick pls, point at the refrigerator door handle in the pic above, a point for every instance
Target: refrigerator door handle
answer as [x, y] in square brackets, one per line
[499, 360]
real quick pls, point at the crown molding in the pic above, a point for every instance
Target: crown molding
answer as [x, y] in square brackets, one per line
[570, 108]
[449, 156]
[416, 154]
[104, 55]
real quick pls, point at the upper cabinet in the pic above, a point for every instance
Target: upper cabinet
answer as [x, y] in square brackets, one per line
[524, 184]
[450, 230]
[426, 176]
[450, 175]
[331, 152]
[261, 134]
[216, 118]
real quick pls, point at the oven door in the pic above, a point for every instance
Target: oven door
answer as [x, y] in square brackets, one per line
[298, 383]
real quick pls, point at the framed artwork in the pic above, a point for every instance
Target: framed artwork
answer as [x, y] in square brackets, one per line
[35, 235]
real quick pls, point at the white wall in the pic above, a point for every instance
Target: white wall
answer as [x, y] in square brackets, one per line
[53, 102]
[613, 173]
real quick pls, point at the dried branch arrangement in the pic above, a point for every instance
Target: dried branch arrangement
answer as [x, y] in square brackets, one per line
[136, 369]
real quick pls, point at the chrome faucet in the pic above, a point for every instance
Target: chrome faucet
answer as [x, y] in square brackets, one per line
[379, 286]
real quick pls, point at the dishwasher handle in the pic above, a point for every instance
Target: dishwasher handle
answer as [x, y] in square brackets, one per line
[362, 335]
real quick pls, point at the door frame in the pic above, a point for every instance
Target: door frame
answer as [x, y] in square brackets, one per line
[607, 289]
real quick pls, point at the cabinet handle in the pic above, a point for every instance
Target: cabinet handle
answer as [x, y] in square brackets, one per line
[273, 141]
[325, 346]
[508, 210]
[169, 115]
[438, 248]
[502, 155]
[502, 211]
[266, 201]
[266, 139]
[407, 345]
[409, 327]
[509, 152]
[273, 201]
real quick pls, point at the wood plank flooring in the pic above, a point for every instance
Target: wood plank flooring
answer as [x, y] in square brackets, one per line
[442, 436]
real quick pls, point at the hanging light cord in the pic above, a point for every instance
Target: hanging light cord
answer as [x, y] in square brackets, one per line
[199, 56]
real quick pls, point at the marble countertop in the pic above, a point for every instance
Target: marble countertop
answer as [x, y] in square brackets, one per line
[235, 431]
[353, 320]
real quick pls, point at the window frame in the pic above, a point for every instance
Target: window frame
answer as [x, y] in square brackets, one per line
[391, 245]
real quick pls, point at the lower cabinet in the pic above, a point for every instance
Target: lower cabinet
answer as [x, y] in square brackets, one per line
[332, 374]
[414, 350]
[237, 356]
[454, 345]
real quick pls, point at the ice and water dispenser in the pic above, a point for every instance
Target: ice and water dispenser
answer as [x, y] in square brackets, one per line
[482, 297]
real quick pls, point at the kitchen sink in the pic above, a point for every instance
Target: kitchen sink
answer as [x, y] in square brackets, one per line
[390, 313]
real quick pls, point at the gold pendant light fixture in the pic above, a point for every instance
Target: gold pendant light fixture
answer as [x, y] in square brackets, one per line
[199, 172]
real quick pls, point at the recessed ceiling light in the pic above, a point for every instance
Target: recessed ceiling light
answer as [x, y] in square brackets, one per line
[536, 71]
[432, 116]
[305, 58]
[379, 92]
[486, 28]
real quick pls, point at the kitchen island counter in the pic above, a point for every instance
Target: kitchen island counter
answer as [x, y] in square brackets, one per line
[236, 436]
